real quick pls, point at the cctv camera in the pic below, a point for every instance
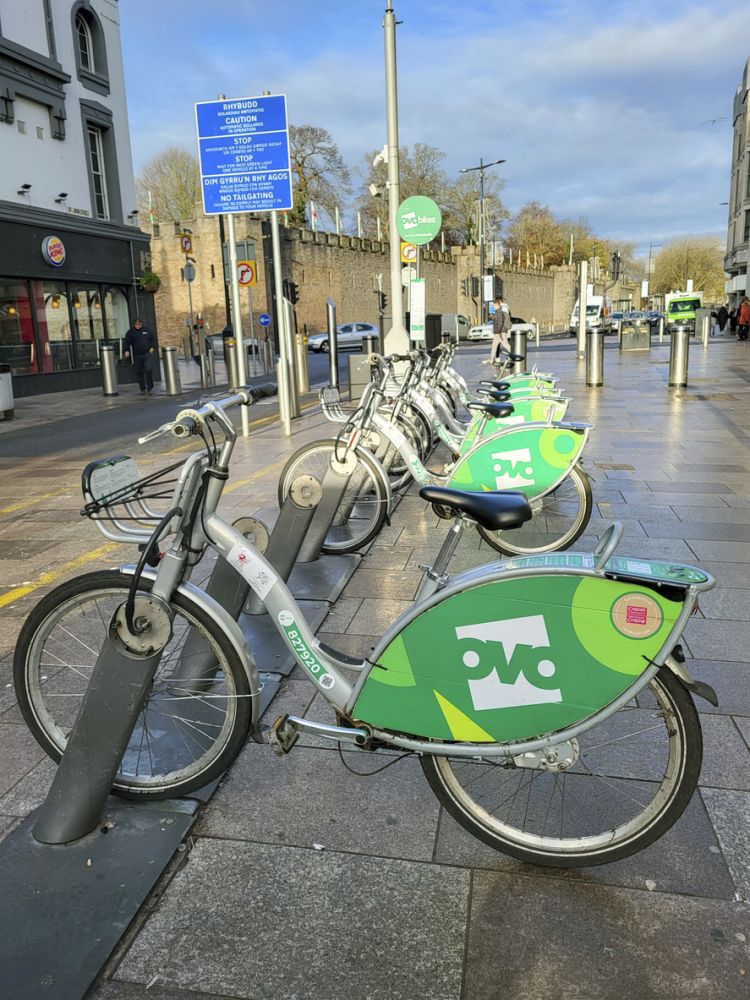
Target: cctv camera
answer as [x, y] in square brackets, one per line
[375, 191]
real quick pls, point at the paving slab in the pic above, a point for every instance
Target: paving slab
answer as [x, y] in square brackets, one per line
[360, 927]
[542, 939]
[726, 757]
[731, 682]
[720, 640]
[730, 813]
[309, 797]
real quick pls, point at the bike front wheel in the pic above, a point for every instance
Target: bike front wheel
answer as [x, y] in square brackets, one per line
[196, 716]
[559, 519]
[364, 504]
[631, 779]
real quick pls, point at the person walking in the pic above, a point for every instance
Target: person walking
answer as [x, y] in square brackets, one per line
[501, 323]
[733, 321]
[140, 344]
[743, 319]
[721, 318]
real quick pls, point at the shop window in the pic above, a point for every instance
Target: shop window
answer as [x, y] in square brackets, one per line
[17, 343]
[88, 323]
[117, 316]
[53, 323]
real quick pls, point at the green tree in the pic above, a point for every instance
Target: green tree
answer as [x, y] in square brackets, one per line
[461, 213]
[170, 184]
[420, 172]
[696, 257]
[319, 172]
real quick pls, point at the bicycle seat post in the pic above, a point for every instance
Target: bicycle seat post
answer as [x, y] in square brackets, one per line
[435, 576]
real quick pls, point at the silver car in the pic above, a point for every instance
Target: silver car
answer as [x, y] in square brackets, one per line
[349, 336]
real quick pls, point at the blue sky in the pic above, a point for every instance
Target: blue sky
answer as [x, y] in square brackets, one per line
[602, 110]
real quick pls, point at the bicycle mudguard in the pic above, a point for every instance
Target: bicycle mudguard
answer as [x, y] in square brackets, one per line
[531, 647]
[533, 458]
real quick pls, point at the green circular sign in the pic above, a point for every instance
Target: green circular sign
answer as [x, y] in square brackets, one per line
[418, 220]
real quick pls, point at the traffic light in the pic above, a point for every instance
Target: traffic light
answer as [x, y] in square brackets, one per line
[474, 287]
[465, 287]
[382, 301]
[615, 265]
[291, 291]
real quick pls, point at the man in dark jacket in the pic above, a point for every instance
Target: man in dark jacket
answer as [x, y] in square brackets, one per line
[140, 344]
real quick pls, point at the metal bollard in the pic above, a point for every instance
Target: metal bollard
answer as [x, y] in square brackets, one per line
[705, 329]
[211, 367]
[268, 355]
[678, 357]
[661, 329]
[518, 346]
[303, 375]
[333, 344]
[109, 371]
[594, 358]
[445, 337]
[230, 360]
[171, 371]
[369, 344]
[203, 362]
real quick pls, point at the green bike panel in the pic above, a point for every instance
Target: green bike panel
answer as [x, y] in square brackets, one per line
[511, 660]
[650, 569]
[531, 459]
[531, 410]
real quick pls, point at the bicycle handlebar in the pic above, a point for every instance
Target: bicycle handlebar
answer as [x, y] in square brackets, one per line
[189, 422]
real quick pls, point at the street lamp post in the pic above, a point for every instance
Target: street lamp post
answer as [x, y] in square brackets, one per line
[481, 168]
[650, 248]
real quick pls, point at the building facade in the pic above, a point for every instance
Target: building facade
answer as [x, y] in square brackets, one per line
[738, 233]
[71, 252]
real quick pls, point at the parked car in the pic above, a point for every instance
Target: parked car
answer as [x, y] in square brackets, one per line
[216, 343]
[484, 330]
[349, 336]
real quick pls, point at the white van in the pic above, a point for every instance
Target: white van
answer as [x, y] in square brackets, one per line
[456, 325]
[594, 315]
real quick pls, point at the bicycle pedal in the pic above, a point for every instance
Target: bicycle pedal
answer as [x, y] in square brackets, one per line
[282, 736]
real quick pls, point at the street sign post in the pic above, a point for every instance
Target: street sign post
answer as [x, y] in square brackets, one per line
[409, 253]
[186, 243]
[247, 273]
[243, 149]
[417, 310]
[264, 319]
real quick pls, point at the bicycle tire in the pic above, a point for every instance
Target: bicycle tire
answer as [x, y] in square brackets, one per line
[521, 541]
[447, 778]
[364, 506]
[49, 701]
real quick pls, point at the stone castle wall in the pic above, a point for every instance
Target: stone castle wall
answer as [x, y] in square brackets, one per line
[347, 269]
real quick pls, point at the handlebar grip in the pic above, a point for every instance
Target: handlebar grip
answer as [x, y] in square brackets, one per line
[185, 427]
[261, 391]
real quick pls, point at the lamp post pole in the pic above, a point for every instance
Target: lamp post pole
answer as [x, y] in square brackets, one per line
[650, 248]
[396, 339]
[481, 168]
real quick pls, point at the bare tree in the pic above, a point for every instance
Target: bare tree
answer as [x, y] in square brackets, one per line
[461, 216]
[320, 174]
[419, 173]
[172, 180]
[696, 257]
[535, 230]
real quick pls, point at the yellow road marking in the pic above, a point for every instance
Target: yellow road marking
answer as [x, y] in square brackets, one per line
[55, 574]
[22, 504]
[259, 472]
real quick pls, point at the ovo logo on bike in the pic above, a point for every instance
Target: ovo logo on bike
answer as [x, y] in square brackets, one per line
[490, 691]
[513, 468]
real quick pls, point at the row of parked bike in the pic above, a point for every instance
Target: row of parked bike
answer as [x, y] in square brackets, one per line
[515, 438]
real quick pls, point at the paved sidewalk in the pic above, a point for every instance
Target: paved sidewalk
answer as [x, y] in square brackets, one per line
[400, 903]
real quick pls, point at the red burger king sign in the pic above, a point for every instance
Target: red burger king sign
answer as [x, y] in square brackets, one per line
[53, 250]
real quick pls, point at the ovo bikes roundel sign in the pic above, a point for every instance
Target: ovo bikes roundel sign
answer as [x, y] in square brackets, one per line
[418, 220]
[53, 250]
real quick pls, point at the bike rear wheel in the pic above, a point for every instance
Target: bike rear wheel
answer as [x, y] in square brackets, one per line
[189, 730]
[561, 518]
[364, 505]
[635, 774]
